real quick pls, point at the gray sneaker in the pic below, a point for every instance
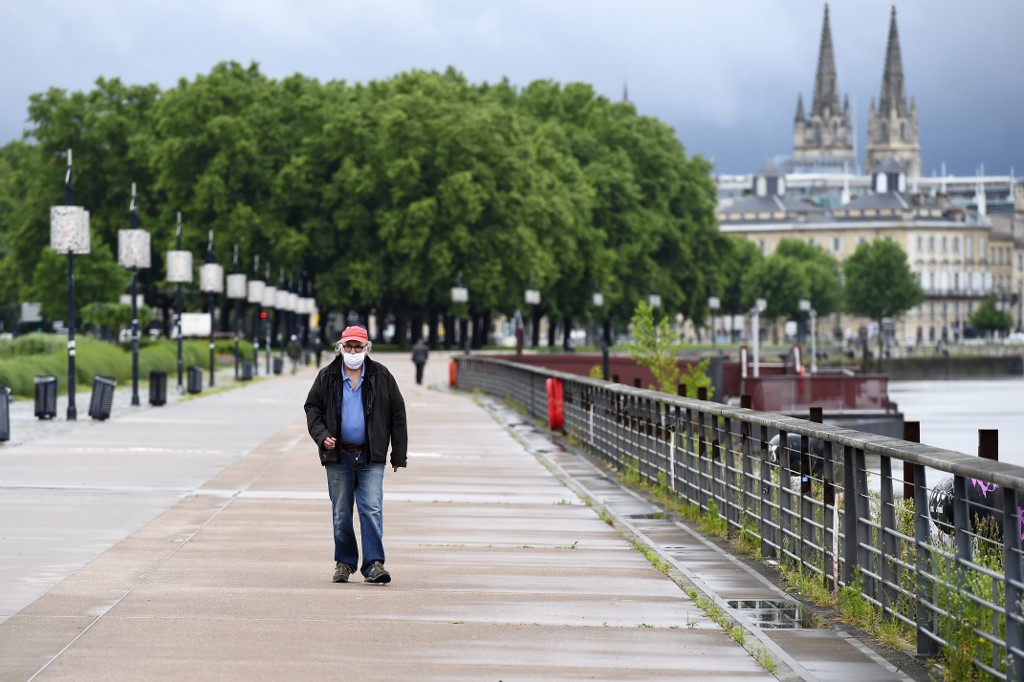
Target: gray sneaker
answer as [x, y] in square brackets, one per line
[377, 574]
[342, 572]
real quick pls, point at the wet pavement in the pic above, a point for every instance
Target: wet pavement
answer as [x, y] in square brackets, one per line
[193, 540]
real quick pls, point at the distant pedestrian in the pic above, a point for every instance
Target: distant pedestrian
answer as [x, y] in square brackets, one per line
[294, 351]
[353, 411]
[419, 356]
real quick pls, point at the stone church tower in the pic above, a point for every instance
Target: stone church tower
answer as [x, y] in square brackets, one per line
[892, 127]
[823, 139]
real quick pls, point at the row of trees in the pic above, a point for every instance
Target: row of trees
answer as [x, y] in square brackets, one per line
[385, 193]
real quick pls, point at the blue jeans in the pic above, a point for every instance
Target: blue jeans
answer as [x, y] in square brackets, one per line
[353, 480]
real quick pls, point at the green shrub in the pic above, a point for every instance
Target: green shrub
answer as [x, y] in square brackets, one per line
[26, 357]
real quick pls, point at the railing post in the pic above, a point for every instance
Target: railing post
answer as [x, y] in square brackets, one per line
[888, 542]
[864, 556]
[1014, 577]
[912, 433]
[767, 527]
[785, 495]
[748, 489]
[808, 530]
[927, 615]
[850, 524]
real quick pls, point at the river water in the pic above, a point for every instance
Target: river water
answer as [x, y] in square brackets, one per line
[952, 412]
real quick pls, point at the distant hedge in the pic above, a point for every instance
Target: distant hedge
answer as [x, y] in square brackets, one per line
[26, 357]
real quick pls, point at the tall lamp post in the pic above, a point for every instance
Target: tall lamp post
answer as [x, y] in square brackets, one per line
[805, 306]
[179, 271]
[69, 233]
[211, 281]
[598, 300]
[237, 291]
[256, 287]
[460, 294]
[133, 252]
[713, 305]
[532, 298]
[755, 313]
[281, 299]
[269, 298]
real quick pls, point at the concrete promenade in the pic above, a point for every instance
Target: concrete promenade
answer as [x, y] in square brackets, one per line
[193, 541]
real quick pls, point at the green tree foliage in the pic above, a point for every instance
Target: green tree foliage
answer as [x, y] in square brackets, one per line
[879, 282]
[382, 192]
[990, 319]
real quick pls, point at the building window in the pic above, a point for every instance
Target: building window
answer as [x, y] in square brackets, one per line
[982, 248]
[943, 245]
[862, 240]
[764, 246]
[956, 244]
[970, 247]
[837, 245]
[811, 241]
[931, 244]
[920, 243]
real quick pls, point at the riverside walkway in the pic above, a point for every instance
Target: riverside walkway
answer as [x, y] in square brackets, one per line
[193, 541]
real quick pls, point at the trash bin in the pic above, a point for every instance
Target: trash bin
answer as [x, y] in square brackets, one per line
[102, 397]
[46, 397]
[246, 370]
[195, 379]
[5, 413]
[157, 388]
[278, 364]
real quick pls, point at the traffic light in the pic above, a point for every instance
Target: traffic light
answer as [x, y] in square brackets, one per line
[263, 315]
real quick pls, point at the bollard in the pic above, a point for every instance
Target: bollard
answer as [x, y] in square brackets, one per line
[247, 369]
[157, 388]
[278, 364]
[5, 413]
[46, 397]
[102, 397]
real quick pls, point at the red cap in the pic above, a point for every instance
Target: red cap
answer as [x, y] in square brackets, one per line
[354, 334]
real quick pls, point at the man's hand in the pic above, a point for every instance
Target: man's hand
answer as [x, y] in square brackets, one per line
[329, 442]
[396, 469]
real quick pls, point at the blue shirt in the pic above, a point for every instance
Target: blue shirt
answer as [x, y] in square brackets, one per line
[353, 422]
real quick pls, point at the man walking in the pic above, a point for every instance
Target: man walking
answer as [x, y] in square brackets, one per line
[353, 411]
[419, 356]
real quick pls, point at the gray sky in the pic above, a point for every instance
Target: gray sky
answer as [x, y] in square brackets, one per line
[725, 74]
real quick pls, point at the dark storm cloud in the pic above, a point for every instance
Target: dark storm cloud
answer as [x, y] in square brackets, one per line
[725, 74]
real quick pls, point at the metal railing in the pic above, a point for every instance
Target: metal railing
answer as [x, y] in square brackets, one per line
[927, 543]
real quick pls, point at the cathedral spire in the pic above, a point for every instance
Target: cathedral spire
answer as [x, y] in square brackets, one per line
[826, 96]
[893, 98]
[892, 127]
[823, 138]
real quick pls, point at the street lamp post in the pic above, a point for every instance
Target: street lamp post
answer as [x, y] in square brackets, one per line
[255, 291]
[759, 307]
[211, 281]
[713, 305]
[133, 252]
[598, 300]
[179, 270]
[805, 306]
[69, 233]
[460, 294]
[281, 298]
[237, 291]
[269, 298]
[532, 298]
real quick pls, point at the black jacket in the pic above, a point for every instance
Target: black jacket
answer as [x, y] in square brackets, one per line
[383, 407]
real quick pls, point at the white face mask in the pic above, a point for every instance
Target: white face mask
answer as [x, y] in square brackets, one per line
[354, 360]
